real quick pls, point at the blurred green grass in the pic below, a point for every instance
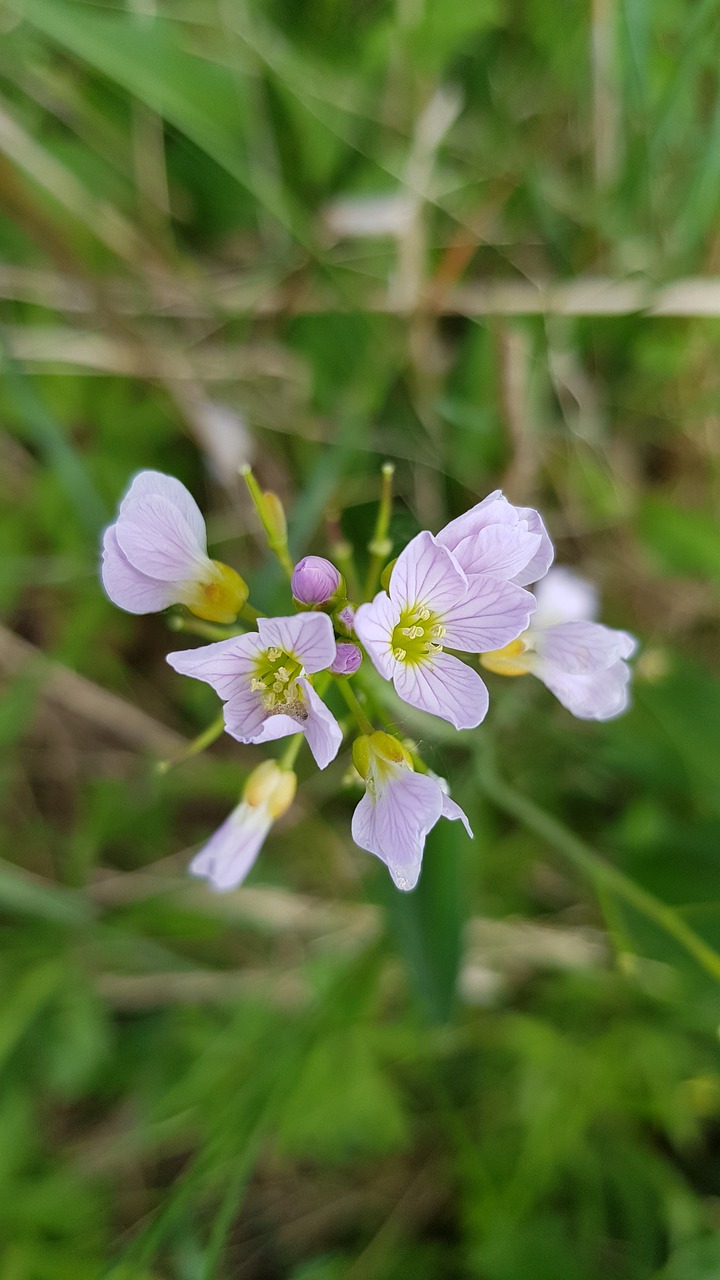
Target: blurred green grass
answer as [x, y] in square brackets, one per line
[284, 1083]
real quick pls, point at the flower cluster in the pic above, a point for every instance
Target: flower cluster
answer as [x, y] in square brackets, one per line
[462, 591]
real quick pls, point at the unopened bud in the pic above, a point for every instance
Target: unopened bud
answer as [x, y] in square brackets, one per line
[271, 787]
[361, 755]
[345, 619]
[348, 658]
[388, 748]
[387, 574]
[275, 522]
[315, 580]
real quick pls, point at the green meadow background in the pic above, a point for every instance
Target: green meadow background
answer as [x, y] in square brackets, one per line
[478, 238]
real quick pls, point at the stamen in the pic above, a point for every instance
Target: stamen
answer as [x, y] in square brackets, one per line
[412, 633]
[273, 654]
[399, 654]
[423, 613]
[438, 632]
[256, 685]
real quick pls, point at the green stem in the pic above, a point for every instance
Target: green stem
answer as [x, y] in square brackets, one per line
[207, 630]
[290, 754]
[276, 535]
[380, 545]
[350, 697]
[203, 740]
[602, 873]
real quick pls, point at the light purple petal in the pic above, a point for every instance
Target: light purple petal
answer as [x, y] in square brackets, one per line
[444, 686]
[149, 484]
[394, 827]
[231, 851]
[274, 725]
[500, 550]
[452, 810]
[563, 596]
[126, 586]
[427, 574]
[491, 510]
[598, 696]
[226, 665]
[374, 626]
[245, 715]
[491, 615]
[323, 733]
[308, 637]
[545, 554]
[157, 540]
[579, 648]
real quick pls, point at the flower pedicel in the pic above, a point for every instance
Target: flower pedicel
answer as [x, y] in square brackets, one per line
[462, 589]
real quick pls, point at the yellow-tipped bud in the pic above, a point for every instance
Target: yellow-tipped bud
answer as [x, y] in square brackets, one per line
[507, 661]
[274, 518]
[271, 787]
[388, 748]
[361, 755]
[220, 597]
[385, 575]
[374, 750]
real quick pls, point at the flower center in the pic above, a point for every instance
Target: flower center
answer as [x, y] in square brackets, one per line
[509, 661]
[275, 680]
[416, 635]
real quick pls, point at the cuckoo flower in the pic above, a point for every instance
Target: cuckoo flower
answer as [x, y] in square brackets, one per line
[580, 661]
[155, 554]
[262, 679]
[500, 540]
[230, 853]
[399, 807]
[432, 603]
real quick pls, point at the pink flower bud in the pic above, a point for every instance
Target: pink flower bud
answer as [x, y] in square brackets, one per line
[314, 580]
[347, 660]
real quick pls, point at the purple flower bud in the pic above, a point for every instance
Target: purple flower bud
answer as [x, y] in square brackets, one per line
[345, 618]
[347, 660]
[314, 580]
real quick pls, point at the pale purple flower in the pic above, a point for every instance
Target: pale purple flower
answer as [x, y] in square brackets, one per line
[155, 554]
[347, 659]
[580, 661]
[399, 807]
[431, 603]
[499, 540]
[262, 677]
[314, 580]
[230, 853]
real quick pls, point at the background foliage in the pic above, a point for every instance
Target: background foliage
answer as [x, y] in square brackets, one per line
[288, 1082]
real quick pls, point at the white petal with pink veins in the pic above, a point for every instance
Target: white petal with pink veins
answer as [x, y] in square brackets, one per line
[491, 614]
[395, 825]
[426, 573]
[444, 686]
[309, 637]
[157, 540]
[149, 484]
[126, 586]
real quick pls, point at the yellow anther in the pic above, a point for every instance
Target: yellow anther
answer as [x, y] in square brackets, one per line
[399, 654]
[438, 632]
[412, 633]
[273, 654]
